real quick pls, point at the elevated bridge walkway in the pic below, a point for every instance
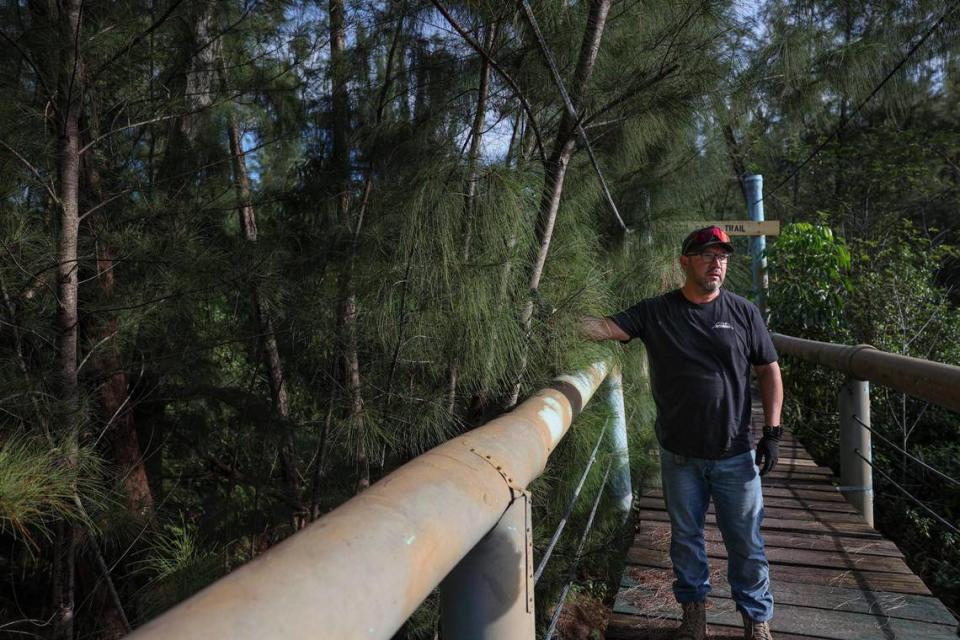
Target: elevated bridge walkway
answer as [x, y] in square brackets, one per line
[833, 576]
[458, 520]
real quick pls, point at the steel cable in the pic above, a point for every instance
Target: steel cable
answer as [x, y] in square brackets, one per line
[912, 457]
[576, 558]
[933, 513]
[569, 510]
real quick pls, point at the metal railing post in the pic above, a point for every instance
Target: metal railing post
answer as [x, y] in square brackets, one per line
[856, 475]
[621, 485]
[489, 594]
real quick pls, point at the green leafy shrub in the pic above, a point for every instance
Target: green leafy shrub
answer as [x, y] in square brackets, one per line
[809, 282]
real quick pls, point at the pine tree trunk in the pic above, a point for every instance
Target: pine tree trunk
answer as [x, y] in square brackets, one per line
[202, 75]
[185, 151]
[68, 115]
[557, 164]
[341, 106]
[476, 140]
[115, 406]
[736, 162]
[351, 359]
[341, 163]
[278, 385]
[469, 204]
[114, 395]
[347, 313]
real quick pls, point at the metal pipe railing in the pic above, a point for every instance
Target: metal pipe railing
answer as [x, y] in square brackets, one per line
[361, 570]
[934, 382]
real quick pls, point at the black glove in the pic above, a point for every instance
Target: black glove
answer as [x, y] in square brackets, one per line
[768, 449]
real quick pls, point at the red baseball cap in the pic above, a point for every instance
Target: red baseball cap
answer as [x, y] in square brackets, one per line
[706, 237]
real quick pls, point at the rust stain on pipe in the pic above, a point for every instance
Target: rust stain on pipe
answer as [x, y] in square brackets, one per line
[362, 569]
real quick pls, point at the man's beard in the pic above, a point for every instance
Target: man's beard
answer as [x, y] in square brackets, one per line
[709, 285]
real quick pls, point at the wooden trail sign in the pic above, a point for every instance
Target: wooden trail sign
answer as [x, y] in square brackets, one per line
[733, 227]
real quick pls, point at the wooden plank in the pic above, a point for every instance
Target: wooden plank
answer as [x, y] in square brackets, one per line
[787, 508]
[813, 505]
[893, 605]
[796, 457]
[781, 555]
[801, 540]
[629, 627]
[830, 494]
[818, 623]
[787, 501]
[800, 485]
[784, 524]
[869, 580]
[793, 462]
[834, 497]
[806, 474]
[793, 447]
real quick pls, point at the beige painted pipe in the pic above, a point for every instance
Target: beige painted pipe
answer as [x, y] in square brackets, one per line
[935, 382]
[361, 570]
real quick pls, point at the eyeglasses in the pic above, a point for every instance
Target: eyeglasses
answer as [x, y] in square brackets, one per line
[709, 257]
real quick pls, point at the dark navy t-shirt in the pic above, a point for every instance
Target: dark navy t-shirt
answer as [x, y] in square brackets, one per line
[700, 357]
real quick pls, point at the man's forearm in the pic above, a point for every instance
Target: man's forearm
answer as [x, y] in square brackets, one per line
[601, 329]
[771, 392]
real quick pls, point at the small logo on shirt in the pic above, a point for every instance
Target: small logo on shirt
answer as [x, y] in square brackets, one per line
[723, 325]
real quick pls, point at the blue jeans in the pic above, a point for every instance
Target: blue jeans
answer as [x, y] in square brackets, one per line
[734, 486]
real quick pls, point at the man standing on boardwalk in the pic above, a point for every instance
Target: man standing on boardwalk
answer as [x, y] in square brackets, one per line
[702, 342]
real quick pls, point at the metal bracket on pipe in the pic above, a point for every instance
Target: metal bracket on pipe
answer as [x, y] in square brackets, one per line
[518, 493]
[511, 484]
[522, 494]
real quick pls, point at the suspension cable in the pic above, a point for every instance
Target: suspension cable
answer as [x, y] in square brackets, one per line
[933, 513]
[571, 576]
[912, 457]
[568, 512]
[572, 111]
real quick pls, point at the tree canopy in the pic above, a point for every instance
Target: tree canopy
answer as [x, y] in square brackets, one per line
[257, 253]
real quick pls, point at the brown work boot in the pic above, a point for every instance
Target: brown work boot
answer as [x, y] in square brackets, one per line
[753, 630]
[694, 625]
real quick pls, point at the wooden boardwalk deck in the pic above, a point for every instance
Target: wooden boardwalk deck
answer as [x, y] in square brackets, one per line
[833, 577]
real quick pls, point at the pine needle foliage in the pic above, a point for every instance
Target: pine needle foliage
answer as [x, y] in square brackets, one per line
[176, 566]
[38, 488]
